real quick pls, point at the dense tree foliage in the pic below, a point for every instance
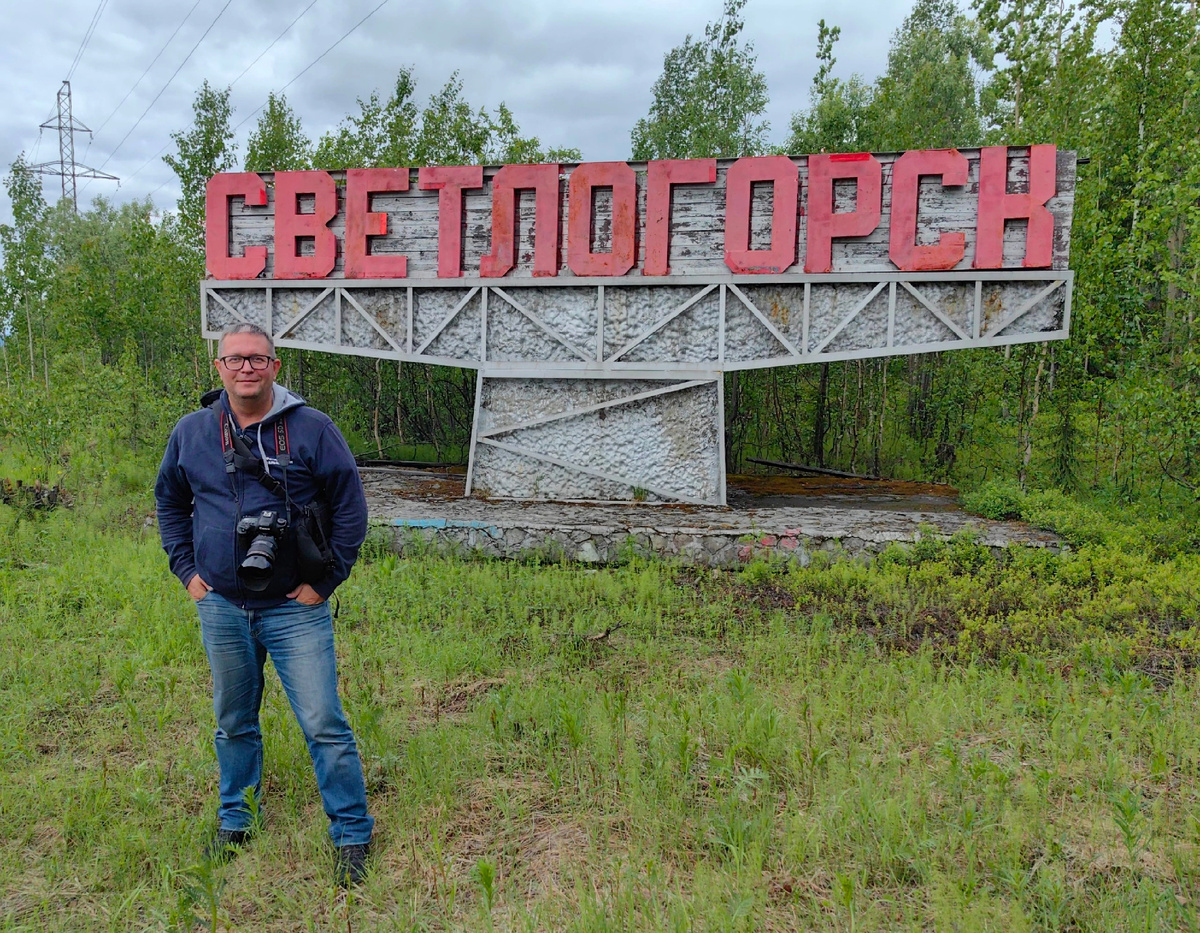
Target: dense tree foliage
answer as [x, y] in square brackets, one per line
[448, 130]
[278, 143]
[98, 312]
[709, 99]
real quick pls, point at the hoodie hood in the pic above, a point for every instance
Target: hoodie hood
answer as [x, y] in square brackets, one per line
[285, 400]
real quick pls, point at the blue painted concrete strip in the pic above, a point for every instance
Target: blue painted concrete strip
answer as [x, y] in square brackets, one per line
[445, 523]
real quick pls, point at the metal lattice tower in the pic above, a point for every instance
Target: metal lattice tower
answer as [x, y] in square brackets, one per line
[66, 166]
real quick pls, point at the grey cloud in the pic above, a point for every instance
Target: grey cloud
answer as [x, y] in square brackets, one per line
[573, 74]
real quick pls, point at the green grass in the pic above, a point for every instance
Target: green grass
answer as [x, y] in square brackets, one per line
[941, 740]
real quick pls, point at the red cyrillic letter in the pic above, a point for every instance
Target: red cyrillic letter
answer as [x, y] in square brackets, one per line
[996, 206]
[584, 180]
[217, 194]
[660, 176]
[361, 223]
[823, 223]
[951, 165]
[291, 225]
[543, 179]
[738, 181]
[450, 180]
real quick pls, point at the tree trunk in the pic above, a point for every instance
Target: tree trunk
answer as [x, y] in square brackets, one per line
[29, 329]
[819, 418]
[435, 434]
[1175, 243]
[781, 434]
[45, 355]
[877, 454]
[840, 433]
[734, 411]
[399, 401]
[375, 408]
[1027, 426]
[856, 418]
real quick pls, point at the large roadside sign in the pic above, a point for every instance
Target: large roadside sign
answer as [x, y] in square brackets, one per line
[601, 302]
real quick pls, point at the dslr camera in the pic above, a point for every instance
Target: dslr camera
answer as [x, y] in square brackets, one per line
[264, 532]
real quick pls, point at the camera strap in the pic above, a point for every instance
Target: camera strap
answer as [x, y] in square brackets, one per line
[238, 454]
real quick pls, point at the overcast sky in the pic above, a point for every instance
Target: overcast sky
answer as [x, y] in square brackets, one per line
[573, 74]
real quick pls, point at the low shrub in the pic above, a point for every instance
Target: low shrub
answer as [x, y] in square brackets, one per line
[997, 500]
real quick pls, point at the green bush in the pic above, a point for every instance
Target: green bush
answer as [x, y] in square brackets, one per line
[998, 500]
[1075, 521]
[1171, 529]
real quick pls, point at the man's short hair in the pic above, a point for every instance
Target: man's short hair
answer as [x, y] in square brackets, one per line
[245, 328]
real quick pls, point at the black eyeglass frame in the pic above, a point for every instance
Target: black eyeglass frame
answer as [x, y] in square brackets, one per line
[267, 360]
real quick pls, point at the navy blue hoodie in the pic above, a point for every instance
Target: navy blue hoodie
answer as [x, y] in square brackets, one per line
[200, 504]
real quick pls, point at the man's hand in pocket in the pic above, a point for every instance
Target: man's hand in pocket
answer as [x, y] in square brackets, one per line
[305, 595]
[197, 588]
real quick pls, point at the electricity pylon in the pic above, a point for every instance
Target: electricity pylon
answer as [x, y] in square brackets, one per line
[66, 166]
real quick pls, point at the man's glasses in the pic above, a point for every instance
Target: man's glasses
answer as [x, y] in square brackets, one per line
[237, 363]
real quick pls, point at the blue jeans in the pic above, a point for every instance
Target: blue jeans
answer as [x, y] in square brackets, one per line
[299, 640]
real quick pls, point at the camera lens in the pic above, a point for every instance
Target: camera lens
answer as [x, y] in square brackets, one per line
[256, 570]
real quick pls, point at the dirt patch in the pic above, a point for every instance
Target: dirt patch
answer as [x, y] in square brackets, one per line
[904, 628]
[758, 491]
[774, 485]
[542, 853]
[1164, 667]
[743, 598]
[449, 700]
[1112, 860]
[531, 852]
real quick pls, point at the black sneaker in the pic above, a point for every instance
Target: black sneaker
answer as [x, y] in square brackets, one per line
[225, 844]
[351, 865]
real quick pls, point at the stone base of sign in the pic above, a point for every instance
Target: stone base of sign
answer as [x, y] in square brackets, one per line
[423, 513]
[619, 440]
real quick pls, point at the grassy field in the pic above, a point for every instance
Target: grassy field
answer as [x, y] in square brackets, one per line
[944, 739]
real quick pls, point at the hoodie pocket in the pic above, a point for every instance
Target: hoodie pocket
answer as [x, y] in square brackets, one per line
[214, 562]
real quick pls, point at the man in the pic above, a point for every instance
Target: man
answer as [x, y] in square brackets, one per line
[203, 492]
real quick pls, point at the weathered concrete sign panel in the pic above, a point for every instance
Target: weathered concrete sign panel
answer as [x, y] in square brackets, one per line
[601, 302]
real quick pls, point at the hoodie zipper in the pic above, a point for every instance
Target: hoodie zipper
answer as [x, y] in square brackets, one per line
[238, 490]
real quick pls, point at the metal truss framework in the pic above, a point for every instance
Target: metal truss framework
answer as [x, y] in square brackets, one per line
[964, 326]
[67, 126]
[611, 389]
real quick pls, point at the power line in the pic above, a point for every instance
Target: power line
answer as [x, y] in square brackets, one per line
[299, 75]
[104, 123]
[38, 144]
[272, 45]
[139, 120]
[147, 162]
[380, 6]
[87, 37]
[156, 191]
[231, 84]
